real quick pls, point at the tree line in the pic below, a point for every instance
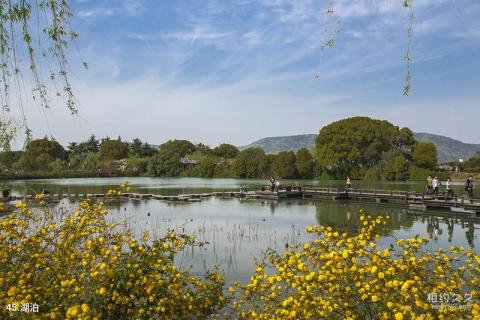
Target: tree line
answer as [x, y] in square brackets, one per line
[360, 147]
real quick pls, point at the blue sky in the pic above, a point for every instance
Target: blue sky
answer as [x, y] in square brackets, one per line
[236, 71]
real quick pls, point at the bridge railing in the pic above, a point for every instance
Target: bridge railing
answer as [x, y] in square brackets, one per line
[388, 193]
[374, 192]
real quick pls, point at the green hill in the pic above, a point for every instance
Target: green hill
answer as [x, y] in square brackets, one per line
[286, 143]
[448, 149]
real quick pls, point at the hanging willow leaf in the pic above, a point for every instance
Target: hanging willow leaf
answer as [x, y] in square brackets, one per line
[52, 35]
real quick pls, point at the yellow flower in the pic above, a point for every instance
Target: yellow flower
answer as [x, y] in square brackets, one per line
[85, 308]
[398, 316]
[12, 291]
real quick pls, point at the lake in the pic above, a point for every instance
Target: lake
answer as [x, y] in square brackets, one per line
[236, 231]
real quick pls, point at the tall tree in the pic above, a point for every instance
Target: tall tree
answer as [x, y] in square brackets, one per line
[349, 146]
[226, 150]
[425, 155]
[113, 150]
[305, 164]
[180, 147]
[247, 162]
[40, 153]
[284, 165]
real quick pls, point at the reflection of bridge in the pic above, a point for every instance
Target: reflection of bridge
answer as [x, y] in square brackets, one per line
[415, 200]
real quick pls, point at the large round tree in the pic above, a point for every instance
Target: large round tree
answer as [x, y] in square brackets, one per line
[350, 146]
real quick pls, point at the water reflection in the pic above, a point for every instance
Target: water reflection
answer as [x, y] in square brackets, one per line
[233, 232]
[455, 228]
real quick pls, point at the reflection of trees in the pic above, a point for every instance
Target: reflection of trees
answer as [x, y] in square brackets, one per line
[470, 234]
[343, 215]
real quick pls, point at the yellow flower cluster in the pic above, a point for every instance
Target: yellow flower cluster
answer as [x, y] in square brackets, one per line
[124, 188]
[343, 275]
[79, 266]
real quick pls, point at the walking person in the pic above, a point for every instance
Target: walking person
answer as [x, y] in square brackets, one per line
[469, 187]
[449, 187]
[348, 184]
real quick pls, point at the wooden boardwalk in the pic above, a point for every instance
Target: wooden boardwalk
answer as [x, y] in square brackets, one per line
[414, 200]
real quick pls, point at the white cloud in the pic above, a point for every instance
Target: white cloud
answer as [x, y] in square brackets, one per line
[98, 12]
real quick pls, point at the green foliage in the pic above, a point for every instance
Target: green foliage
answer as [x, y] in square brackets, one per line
[284, 165]
[83, 148]
[396, 169]
[135, 167]
[165, 164]
[203, 149]
[180, 147]
[372, 174]
[205, 169]
[449, 149]
[355, 144]
[138, 149]
[39, 154]
[425, 155]
[305, 164]
[247, 163]
[92, 162]
[265, 166]
[8, 158]
[418, 174]
[45, 146]
[472, 164]
[226, 150]
[113, 150]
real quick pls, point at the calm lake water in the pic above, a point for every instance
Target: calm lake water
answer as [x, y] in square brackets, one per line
[236, 231]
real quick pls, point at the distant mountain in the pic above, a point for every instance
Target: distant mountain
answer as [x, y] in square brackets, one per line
[448, 149]
[286, 143]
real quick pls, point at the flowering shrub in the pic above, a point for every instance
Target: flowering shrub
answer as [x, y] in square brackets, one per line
[80, 266]
[342, 276]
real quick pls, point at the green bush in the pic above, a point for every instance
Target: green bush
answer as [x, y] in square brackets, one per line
[418, 174]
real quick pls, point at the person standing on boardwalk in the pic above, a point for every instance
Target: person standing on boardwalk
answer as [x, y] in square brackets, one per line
[429, 185]
[272, 184]
[435, 185]
[469, 187]
[348, 184]
[449, 186]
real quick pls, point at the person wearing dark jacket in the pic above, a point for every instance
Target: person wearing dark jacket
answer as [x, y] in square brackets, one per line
[469, 187]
